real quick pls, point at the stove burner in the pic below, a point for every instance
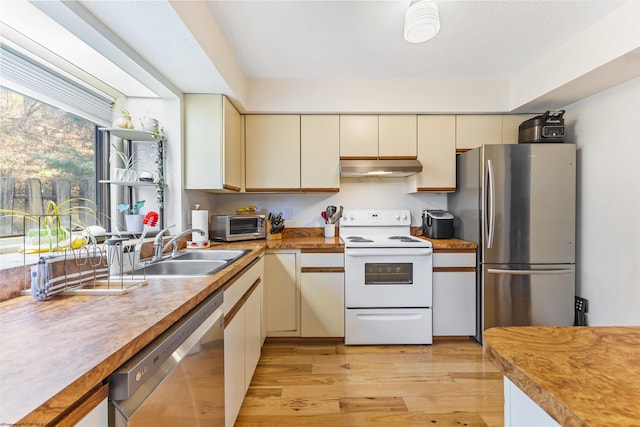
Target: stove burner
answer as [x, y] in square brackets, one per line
[403, 239]
[358, 239]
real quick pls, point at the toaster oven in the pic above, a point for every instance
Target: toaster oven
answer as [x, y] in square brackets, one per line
[231, 228]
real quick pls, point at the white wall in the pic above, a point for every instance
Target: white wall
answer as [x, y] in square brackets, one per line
[606, 128]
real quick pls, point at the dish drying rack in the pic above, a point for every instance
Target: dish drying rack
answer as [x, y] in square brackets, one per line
[88, 269]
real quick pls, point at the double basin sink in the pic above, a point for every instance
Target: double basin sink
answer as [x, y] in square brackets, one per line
[190, 263]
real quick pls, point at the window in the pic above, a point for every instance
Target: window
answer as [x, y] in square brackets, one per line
[48, 139]
[46, 154]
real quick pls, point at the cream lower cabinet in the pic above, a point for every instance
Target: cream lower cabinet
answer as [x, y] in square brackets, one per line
[521, 411]
[454, 292]
[282, 293]
[322, 293]
[437, 153]
[242, 337]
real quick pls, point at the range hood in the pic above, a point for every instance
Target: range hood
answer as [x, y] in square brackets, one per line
[379, 168]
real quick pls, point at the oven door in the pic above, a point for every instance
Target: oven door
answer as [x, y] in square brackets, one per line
[388, 277]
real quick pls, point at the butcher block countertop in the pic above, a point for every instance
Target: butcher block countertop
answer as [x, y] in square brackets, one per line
[56, 351]
[581, 376]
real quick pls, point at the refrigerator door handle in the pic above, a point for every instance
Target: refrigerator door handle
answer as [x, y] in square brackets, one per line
[490, 220]
[530, 272]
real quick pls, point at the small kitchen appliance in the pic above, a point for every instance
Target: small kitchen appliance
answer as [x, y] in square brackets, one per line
[437, 224]
[387, 274]
[547, 127]
[231, 228]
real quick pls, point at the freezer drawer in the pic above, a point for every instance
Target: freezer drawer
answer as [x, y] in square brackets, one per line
[528, 295]
[388, 326]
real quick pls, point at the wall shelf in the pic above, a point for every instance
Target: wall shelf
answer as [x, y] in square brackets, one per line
[129, 136]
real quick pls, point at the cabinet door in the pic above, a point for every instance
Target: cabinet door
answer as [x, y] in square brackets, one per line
[322, 304]
[282, 297]
[232, 147]
[359, 136]
[234, 367]
[510, 124]
[437, 153]
[454, 303]
[253, 334]
[320, 152]
[203, 128]
[397, 137]
[476, 130]
[272, 151]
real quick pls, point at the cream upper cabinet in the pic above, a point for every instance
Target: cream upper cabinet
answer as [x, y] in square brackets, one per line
[476, 130]
[373, 136]
[510, 124]
[320, 152]
[437, 153]
[397, 136]
[359, 136]
[212, 143]
[272, 152]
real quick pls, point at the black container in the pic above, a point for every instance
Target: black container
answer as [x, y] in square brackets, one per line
[548, 127]
[437, 224]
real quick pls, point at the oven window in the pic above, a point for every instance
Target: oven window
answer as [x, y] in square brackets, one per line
[243, 225]
[388, 273]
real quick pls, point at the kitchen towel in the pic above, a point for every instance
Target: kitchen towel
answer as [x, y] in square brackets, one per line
[200, 219]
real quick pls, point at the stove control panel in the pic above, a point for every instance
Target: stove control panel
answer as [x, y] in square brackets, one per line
[380, 217]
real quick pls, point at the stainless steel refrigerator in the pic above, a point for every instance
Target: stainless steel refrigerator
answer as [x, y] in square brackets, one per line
[518, 203]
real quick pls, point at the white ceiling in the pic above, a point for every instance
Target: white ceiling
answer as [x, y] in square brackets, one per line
[478, 40]
[314, 50]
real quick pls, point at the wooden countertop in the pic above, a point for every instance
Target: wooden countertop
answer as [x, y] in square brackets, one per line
[55, 351]
[581, 376]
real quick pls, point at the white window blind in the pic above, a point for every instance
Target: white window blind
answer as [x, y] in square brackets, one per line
[24, 75]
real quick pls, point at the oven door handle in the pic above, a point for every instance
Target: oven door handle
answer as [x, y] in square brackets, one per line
[389, 252]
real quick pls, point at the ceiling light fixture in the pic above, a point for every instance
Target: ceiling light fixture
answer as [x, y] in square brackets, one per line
[422, 21]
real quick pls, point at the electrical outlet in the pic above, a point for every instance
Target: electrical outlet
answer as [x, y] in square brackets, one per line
[287, 213]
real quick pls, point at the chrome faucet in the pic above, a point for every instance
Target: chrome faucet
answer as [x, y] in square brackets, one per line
[158, 249]
[157, 244]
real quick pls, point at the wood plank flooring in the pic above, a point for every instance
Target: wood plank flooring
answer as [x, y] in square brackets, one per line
[449, 383]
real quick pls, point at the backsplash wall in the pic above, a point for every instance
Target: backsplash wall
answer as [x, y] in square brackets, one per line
[303, 210]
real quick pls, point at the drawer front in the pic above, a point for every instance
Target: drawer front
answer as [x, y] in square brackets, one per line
[238, 288]
[454, 259]
[322, 259]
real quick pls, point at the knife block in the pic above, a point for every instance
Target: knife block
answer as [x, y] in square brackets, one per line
[272, 236]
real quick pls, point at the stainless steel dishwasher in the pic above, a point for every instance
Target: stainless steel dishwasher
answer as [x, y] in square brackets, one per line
[178, 379]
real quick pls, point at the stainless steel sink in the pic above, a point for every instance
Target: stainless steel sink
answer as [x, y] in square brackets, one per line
[190, 264]
[212, 254]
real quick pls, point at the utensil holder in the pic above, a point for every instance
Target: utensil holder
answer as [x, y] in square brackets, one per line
[270, 235]
[329, 230]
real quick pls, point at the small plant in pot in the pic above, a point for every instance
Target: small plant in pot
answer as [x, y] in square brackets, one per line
[133, 218]
[126, 173]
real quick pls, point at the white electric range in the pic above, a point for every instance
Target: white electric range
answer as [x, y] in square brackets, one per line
[388, 284]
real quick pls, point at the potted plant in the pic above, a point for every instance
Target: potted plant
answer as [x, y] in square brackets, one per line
[133, 219]
[128, 172]
[60, 227]
[123, 121]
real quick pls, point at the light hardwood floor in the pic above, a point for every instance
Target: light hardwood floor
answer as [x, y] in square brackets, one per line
[449, 383]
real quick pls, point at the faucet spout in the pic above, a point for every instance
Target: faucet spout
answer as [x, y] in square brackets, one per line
[173, 242]
[157, 243]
